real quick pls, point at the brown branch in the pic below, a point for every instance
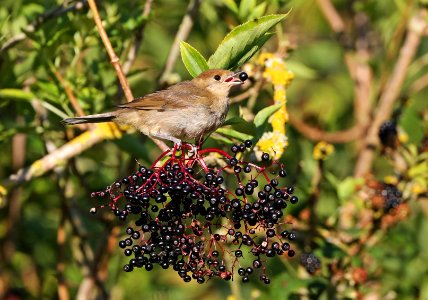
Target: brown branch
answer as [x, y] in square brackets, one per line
[331, 15]
[419, 84]
[60, 266]
[361, 74]
[115, 60]
[113, 57]
[182, 35]
[41, 19]
[416, 27]
[69, 92]
[316, 134]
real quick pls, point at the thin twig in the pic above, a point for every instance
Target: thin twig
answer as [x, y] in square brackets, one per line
[360, 72]
[332, 16]
[69, 92]
[182, 34]
[416, 27]
[316, 134]
[139, 34]
[60, 266]
[41, 19]
[115, 61]
[110, 51]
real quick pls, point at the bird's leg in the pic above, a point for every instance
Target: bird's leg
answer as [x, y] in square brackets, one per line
[177, 142]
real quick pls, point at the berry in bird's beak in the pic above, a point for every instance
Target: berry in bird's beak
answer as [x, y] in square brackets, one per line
[237, 78]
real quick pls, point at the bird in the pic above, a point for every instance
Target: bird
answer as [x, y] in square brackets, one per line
[183, 112]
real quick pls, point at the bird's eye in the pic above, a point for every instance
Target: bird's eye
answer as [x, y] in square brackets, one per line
[217, 77]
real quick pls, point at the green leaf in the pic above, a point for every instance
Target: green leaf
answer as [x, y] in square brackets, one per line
[257, 45]
[245, 8]
[16, 94]
[231, 5]
[265, 113]
[258, 11]
[346, 188]
[221, 138]
[193, 60]
[234, 133]
[243, 41]
[236, 121]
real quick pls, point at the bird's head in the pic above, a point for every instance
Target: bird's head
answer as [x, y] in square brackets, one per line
[220, 81]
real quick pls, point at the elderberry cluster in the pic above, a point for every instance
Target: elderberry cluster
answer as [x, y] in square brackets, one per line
[391, 196]
[310, 262]
[203, 221]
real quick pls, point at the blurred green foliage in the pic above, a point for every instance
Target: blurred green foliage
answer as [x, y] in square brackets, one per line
[390, 257]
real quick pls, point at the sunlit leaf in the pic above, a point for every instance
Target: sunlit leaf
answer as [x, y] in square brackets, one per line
[241, 41]
[234, 133]
[231, 4]
[265, 113]
[194, 61]
[245, 8]
[16, 94]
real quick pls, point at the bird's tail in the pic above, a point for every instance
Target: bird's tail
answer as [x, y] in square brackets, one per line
[99, 118]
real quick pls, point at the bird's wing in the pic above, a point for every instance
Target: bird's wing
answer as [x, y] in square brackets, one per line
[177, 96]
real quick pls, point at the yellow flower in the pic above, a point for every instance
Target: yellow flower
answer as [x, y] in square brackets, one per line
[403, 137]
[264, 57]
[322, 150]
[273, 143]
[390, 180]
[278, 120]
[3, 194]
[418, 188]
[279, 94]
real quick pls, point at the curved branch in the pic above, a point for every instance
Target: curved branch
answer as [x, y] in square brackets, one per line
[416, 28]
[182, 34]
[316, 134]
[331, 15]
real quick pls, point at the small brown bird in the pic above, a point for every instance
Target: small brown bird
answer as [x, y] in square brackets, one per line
[185, 111]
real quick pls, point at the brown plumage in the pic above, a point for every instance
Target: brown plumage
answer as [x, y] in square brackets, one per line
[185, 111]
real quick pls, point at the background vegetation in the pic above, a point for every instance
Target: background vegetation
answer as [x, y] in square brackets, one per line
[356, 64]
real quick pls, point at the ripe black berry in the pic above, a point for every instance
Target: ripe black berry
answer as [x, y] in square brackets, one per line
[265, 157]
[243, 76]
[294, 200]
[180, 207]
[388, 134]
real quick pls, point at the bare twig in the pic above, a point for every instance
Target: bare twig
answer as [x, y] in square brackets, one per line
[115, 61]
[60, 266]
[332, 16]
[252, 91]
[182, 34]
[113, 57]
[316, 134]
[132, 54]
[419, 84]
[360, 72]
[416, 27]
[41, 19]
[69, 93]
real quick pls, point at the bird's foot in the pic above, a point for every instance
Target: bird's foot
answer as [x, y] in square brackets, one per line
[192, 150]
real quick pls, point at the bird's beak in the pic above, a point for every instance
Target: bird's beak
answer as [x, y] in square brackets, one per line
[234, 79]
